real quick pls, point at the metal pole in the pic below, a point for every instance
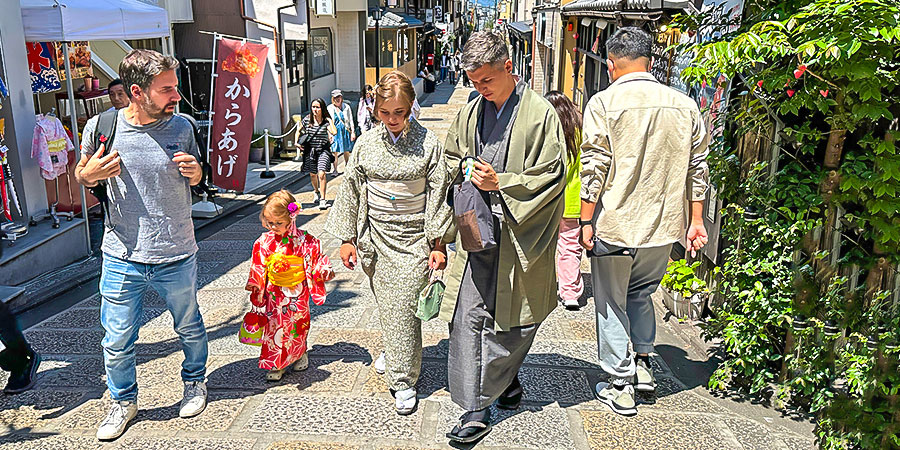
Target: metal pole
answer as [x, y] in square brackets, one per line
[212, 86]
[73, 116]
[268, 172]
[378, 46]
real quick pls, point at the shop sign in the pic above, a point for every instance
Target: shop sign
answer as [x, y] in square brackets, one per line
[429, 15]
[438, 14]
[79, 59]
[239, 75]
[325, 7]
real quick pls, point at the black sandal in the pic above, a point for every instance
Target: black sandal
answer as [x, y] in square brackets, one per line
[467, 431]
[512, 396]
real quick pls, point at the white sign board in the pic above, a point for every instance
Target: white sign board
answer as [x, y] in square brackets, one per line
[325, 7]
[438, 14]
[429, 16]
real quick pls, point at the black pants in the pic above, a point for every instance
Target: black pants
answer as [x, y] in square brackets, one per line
[465, 77]
[14, 357]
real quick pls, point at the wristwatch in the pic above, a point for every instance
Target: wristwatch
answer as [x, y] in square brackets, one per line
[582, 222]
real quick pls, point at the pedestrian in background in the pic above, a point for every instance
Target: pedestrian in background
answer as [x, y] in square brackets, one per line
[445, 66]
[148, 239]
[287, 271]
[454, 66]
[506, 156]
[317, 156]
[644, 163]
[391, 214]
[17, 357]
[117, 95]
[568, 249]
[342, 115]
[365, 112]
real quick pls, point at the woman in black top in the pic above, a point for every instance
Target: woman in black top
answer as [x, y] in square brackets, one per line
[317, 151]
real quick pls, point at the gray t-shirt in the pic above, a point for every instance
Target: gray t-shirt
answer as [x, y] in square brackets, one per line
[150, 201]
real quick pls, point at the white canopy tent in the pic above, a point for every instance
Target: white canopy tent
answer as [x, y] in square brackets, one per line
[89, 20]
[92, 20]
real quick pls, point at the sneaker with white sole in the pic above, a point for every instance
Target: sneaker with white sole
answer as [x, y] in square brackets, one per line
[323, 204]
[644, 381]
[405, 401]
[317, 197]
[571, 304]
[194, 399]
[302, 363]
[380, 364]
[120, 413]
[619, 399]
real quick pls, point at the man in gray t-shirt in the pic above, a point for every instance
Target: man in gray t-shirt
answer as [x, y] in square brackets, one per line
[148, 239]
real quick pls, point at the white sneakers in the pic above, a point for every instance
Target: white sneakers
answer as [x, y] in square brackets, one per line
[317, 197]
[643, 377]
[380, 364]
[194, 399]
[323, 204]
[619, 398]
[405, 401]
[120, 413]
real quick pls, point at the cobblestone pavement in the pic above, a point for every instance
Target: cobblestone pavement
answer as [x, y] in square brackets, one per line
[340, 403]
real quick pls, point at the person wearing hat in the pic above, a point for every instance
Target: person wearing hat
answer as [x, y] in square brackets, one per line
[342, 115]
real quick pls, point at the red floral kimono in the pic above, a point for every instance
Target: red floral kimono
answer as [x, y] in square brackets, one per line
[287, 309]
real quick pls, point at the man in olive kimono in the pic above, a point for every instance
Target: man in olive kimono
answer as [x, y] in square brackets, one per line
[496, 297]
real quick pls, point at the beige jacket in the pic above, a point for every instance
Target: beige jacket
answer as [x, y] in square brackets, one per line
[644, 157]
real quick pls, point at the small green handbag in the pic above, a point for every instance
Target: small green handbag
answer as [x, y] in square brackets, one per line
[430, 299]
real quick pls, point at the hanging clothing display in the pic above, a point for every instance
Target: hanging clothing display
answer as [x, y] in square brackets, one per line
[8, 197]
[51, 146]
[42, 66]
[4, 91]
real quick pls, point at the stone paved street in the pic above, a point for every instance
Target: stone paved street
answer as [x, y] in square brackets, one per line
[340, 403]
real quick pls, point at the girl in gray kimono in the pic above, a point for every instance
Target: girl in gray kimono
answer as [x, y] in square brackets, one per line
[390, 214]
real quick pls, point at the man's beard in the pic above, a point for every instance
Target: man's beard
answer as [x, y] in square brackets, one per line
[155, 111]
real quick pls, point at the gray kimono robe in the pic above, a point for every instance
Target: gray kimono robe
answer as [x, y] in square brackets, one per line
[495, 299]
[393, 247]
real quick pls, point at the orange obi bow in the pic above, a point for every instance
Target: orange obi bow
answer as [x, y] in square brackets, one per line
[285, 270]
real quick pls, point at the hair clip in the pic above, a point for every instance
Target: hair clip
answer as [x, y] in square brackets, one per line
[293, 209]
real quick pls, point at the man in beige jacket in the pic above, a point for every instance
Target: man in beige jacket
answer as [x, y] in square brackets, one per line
[644, 163]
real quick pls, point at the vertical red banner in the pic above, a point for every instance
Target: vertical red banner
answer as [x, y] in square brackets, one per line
[239, 78]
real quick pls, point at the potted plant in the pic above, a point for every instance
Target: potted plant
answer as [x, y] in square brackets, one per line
[688, 293]
[257, 145]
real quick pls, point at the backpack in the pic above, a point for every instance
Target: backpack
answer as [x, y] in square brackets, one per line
[105, 134]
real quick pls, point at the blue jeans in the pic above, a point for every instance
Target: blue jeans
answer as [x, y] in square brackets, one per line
[122, 287]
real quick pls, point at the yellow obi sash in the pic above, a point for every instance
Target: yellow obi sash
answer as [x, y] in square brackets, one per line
[285, 270]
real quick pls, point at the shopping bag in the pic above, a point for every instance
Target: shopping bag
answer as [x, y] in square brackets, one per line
[430, 298]
[252, 328]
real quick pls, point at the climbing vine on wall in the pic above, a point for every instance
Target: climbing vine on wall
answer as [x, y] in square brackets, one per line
[807, 280]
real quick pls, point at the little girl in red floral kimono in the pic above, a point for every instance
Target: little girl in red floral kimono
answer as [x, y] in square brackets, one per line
[288, 269]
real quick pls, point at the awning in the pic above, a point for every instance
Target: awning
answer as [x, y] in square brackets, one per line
[521, 28]
[393, 20]
[609, 8]
[92, 20]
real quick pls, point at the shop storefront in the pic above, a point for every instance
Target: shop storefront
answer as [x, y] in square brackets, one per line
[520, 41]
[589, 23]
[50, 97]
